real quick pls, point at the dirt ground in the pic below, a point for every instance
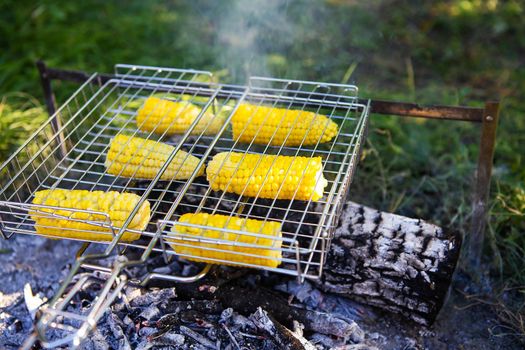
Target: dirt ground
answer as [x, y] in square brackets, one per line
[460, 325]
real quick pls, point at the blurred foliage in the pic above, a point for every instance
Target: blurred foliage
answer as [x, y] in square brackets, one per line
[445, 52]
[20, 116]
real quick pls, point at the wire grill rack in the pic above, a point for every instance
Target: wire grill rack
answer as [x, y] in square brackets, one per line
[69, 151]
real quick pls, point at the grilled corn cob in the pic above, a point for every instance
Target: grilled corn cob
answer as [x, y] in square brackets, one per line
[140, 158]
[267, 252]
[267, 176]
[74, 224]
[164, 116]
[279, 126]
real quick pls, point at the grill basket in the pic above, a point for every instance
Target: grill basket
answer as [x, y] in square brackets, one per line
[69, 151]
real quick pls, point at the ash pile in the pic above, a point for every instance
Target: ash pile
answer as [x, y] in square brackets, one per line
[228, 309]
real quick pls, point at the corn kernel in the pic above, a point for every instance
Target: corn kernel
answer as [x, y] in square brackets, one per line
[164, 116]
[117, 206]
[264, 176]
[146, 163]
[279, 126]
[264, 252]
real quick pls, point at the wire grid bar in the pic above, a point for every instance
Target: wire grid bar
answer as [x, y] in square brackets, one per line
[94, 115]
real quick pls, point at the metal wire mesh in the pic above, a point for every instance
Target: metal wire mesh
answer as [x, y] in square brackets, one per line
[73, 157]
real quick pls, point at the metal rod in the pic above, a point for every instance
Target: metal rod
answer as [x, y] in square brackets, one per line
[482, 186]
[49, 96]
[178, 279]
[377, 106]
[426, 111]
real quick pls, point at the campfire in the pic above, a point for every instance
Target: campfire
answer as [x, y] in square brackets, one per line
[214, 216]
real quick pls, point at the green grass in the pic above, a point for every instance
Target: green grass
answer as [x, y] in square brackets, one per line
[20, 115]
[450, 52]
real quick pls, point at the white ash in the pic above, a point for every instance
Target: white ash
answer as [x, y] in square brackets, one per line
[132, 321]
[34, 261]
[136, 321]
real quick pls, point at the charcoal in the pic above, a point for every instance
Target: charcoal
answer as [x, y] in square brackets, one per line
[196, 318]
[16, 326]
[162, 269]
[150, 312]
[325, 341]
[190, 316]
[154, 297]
[329, 324]
[197, 337]
[204, 306]
[232, 337]
[144, 345]
[283, 337]
[189, 270]
[170, 338]
[115, 325]
[226, 315]
[358, 347]
[168, 321]
[97, 341]
[145, 332]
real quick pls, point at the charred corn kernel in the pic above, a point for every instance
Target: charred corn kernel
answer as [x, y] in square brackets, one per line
[225, 245]
[279, 126]
[267, 176]
[140, 158]
[74, 224]
[164, 116]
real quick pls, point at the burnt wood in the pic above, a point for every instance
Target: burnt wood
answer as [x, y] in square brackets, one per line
[283, 337]
[392, 262]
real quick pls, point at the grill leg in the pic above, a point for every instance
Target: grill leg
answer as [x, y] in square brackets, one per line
[482, 186]
[49, 97]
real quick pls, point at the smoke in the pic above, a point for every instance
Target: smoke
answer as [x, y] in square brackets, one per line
[252, 36]
[279, 38]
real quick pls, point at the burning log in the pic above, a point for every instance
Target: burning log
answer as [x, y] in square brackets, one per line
[392, 262]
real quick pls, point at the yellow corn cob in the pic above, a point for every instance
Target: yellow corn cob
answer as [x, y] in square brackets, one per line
[117, 205]
[267, 176]
[260, 123]
[163, 116]
[268, 251]
[140, 158]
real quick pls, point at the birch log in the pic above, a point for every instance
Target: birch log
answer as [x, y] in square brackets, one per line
[392, 262]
